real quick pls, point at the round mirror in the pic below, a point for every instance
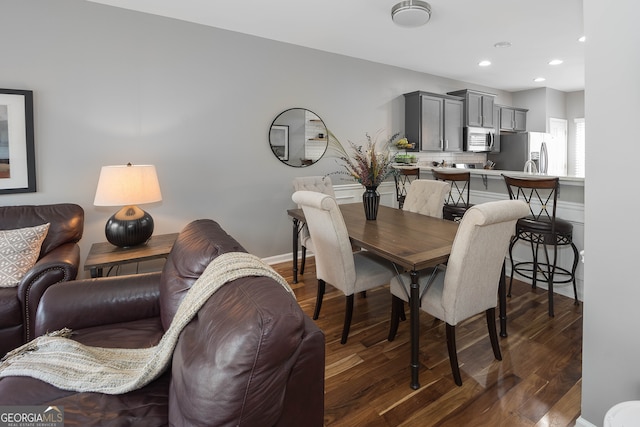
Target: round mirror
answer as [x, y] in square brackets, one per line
[298, 137]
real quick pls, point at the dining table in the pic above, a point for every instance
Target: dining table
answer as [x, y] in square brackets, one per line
[412, 242]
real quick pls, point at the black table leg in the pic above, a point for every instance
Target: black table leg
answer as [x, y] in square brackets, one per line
[502, 297]
[414, 304]
[296, 223]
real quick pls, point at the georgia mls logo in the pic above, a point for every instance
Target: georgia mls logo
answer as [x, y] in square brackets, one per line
[31, 416]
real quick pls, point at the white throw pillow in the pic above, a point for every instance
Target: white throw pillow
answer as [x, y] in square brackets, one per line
[19, 251]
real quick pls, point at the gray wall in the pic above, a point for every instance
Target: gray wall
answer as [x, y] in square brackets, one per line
[545, 103]
[113, 86]
[536, 101]
[556, 105]
[611, 348]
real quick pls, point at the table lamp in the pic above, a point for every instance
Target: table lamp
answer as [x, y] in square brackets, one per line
[128, 186]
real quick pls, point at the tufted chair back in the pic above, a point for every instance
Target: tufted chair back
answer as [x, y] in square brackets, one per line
[478, 252]
[334, 255]
[426, 197]
[319, 184]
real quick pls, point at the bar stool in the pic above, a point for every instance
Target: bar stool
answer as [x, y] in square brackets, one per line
[542, 228]
[403, 178]
[457, 201]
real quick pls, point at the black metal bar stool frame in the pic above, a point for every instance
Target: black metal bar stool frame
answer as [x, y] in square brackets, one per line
[541, 229]
[457, 201]
[403, 178]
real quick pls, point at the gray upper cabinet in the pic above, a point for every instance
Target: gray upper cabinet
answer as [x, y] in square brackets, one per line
[434, 121]
[513, 119]
[519, 120]
[496, 135]
[479, 111]
[453, 121]
[431, 117]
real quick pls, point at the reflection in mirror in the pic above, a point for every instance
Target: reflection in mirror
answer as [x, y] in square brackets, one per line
[298, 137]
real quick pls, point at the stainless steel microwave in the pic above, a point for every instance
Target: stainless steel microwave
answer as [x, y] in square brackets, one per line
[478, 140]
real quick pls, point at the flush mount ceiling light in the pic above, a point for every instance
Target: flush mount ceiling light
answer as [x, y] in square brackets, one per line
[555, 62]
[484, 63]
[413, 13]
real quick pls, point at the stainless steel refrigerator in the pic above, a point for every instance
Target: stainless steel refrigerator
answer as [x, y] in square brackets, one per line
[516, 149]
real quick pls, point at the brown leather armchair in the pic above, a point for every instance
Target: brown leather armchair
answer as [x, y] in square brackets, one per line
[58, 261]
[250, 357]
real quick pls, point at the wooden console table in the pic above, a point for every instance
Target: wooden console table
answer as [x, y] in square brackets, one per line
[105, 255]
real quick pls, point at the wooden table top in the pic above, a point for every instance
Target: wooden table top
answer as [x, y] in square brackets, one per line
[411, 240]
[105, 254]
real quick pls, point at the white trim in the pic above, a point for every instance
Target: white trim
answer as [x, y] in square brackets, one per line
[279, 259]
[581, 422]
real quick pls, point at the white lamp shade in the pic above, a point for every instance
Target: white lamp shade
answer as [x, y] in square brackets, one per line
[126, 185]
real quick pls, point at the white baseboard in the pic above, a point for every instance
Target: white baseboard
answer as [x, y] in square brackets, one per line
[581, 422]
[278, 259]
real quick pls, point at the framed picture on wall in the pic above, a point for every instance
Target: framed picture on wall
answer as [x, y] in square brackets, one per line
[17, 153]
[279, 138]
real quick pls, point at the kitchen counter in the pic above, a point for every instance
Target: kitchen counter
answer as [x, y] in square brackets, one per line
[492, 173]
[484, 181]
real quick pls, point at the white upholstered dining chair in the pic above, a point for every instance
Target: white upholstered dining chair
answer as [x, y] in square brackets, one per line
[336, 263]
[320, 184]
[468, 284]
[426, 197]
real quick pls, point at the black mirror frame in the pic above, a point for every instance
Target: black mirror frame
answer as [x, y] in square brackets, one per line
[283, 154]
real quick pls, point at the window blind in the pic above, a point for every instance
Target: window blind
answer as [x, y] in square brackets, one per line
[578, 149]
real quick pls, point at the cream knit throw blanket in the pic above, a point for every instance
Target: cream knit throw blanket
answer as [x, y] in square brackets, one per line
[70, 365]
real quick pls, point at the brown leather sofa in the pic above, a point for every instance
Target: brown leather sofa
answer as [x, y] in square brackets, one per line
[250, 357]
[59, 260]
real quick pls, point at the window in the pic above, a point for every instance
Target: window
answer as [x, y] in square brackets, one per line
[578, 149]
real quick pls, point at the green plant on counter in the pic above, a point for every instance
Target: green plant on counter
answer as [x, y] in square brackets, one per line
[405, 158]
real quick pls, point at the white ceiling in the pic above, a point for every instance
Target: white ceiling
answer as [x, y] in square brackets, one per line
[459, 35]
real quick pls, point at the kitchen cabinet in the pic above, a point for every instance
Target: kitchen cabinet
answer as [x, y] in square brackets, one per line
[434, 121]
[453, 123]
[479, 108]
[513, 119]
[496, 134]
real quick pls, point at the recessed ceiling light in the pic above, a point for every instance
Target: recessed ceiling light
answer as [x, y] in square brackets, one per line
[582, 39]
[555, 62]
[539, 79]
[502, 44]
[484, 63]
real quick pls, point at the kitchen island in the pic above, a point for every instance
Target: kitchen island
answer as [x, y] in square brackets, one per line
[491, 181]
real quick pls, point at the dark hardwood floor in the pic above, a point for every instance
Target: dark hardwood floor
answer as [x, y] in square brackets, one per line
[537, 383]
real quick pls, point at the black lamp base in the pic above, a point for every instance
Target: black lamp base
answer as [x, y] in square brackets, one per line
[130, 226]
